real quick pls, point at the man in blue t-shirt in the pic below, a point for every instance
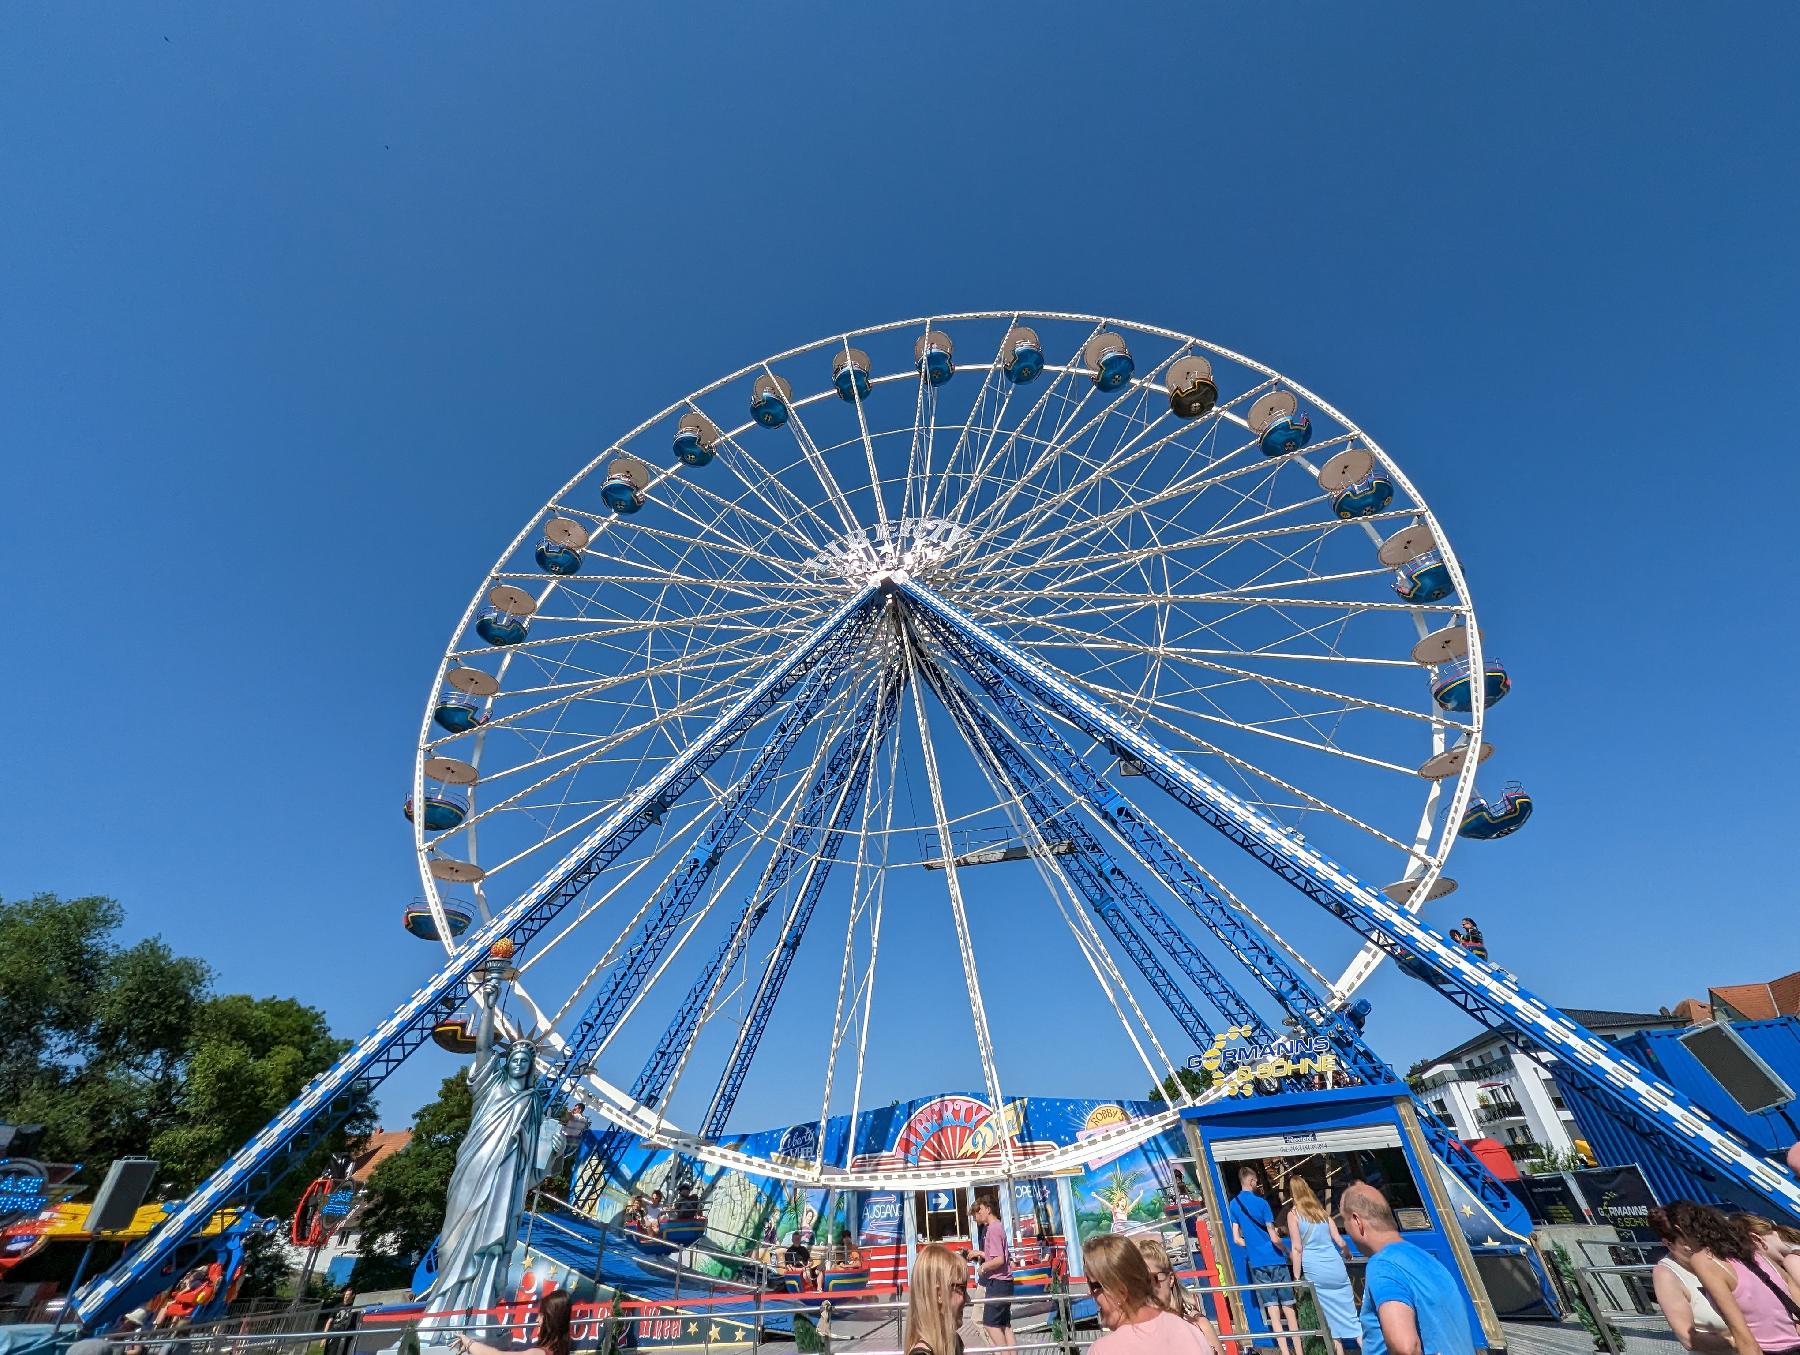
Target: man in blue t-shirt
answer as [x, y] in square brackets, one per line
[1411, 1305]
[1253, 1229]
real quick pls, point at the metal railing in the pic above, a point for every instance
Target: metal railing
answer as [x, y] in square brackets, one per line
[869, 1322]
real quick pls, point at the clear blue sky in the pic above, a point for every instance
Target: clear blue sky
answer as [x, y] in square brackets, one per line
[304, 311]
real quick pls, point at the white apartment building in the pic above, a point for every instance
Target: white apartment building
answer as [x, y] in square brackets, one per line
[1484, 1088]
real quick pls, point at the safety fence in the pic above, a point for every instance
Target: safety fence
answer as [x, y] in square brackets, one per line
[868, 1322]
[1614, 1301]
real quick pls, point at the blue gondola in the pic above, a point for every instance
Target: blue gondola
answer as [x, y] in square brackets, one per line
[444, 808]
[1357, 1013]
[555, 558]
[1367, 496]
[1452, 689]
[621, 495]
[1107, 357]
[696, 437]
[1289, 433]
[419, 921]
[933, 355]
[1485, 820]
[1424, 578]
[456, 711]
[769, 400]
[683, 1232]
[499, 627]
[850, 374]
[1033, 1279]
[1024, 355]
[1192, 390]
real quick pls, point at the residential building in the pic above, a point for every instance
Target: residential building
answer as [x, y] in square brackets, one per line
[1484, 1088]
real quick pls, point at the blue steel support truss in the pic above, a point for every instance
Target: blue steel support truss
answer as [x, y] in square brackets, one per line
[330, 1096]
[1264, 963]
[768, 989]
[1484, 990]
[840, 783]
[1093, 872]
[1148, 843]
[602, 1015]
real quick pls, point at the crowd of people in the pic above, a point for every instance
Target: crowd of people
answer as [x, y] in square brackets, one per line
[1730, 1284]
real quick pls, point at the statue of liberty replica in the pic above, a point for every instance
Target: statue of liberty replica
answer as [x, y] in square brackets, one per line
[509, 1148]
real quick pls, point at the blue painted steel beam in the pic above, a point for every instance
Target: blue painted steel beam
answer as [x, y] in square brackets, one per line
[840, 783]
[768, 988]
[1151, 846]
[1145, 838]
[1483, 989]
[607, 1008]
[261, 1162]
[1091, 870]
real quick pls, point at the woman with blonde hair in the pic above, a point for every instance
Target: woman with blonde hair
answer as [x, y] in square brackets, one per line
[1167, 1290]
[936, 1296]
[1136, 1322]
[1317, 1253]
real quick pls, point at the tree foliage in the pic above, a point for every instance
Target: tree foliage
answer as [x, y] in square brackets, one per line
[125, 1050]
[1193, 1082]
[403, 1206]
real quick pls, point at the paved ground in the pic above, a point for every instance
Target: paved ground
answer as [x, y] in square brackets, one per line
[1643, 1336]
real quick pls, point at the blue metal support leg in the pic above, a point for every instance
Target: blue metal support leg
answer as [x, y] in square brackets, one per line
[768, 988]
[1092, 871]
[1486, 991]
[262, 1161]
[839, 785]
[602, 1015]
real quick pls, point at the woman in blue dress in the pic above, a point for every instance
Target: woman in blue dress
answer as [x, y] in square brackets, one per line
[1317, 1253]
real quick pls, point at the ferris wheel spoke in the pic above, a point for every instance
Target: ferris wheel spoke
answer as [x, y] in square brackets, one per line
[809, 449]
[806, 545]
[1347, 700]
[1123, 454]
[953, 885]
[1095, 564]
[711, 662]
[995, 387]
[1029, 830]
[1210, 424]
[761, 483]
[997, 448]
[1079, 532]
[1250, 774]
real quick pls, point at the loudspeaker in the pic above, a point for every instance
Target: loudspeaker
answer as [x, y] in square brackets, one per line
[20, 1140]
[127, 1181]
[1736, 1067]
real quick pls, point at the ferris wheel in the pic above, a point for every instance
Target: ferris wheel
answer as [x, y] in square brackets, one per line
[1180, 534]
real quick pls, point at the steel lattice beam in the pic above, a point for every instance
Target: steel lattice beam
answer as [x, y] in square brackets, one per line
[839, 784]
[1486, 991]
[258, 1164]
[602, 1015]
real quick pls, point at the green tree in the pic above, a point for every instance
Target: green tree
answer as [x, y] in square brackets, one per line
[403, 1206]
[1193, 1082]
[124, 1050]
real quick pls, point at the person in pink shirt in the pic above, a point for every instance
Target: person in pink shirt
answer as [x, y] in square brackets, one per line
[994, 1269]
[1136, 1322]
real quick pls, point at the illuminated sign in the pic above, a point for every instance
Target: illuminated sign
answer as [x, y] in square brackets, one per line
[1237, 1069]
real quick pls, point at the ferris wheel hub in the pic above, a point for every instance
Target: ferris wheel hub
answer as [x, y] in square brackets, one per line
[913, 547]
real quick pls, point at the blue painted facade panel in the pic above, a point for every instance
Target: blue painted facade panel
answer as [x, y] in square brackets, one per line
[1614, 1142]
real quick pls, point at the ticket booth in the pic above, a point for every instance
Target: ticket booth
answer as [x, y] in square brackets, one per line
[1335, 1138]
